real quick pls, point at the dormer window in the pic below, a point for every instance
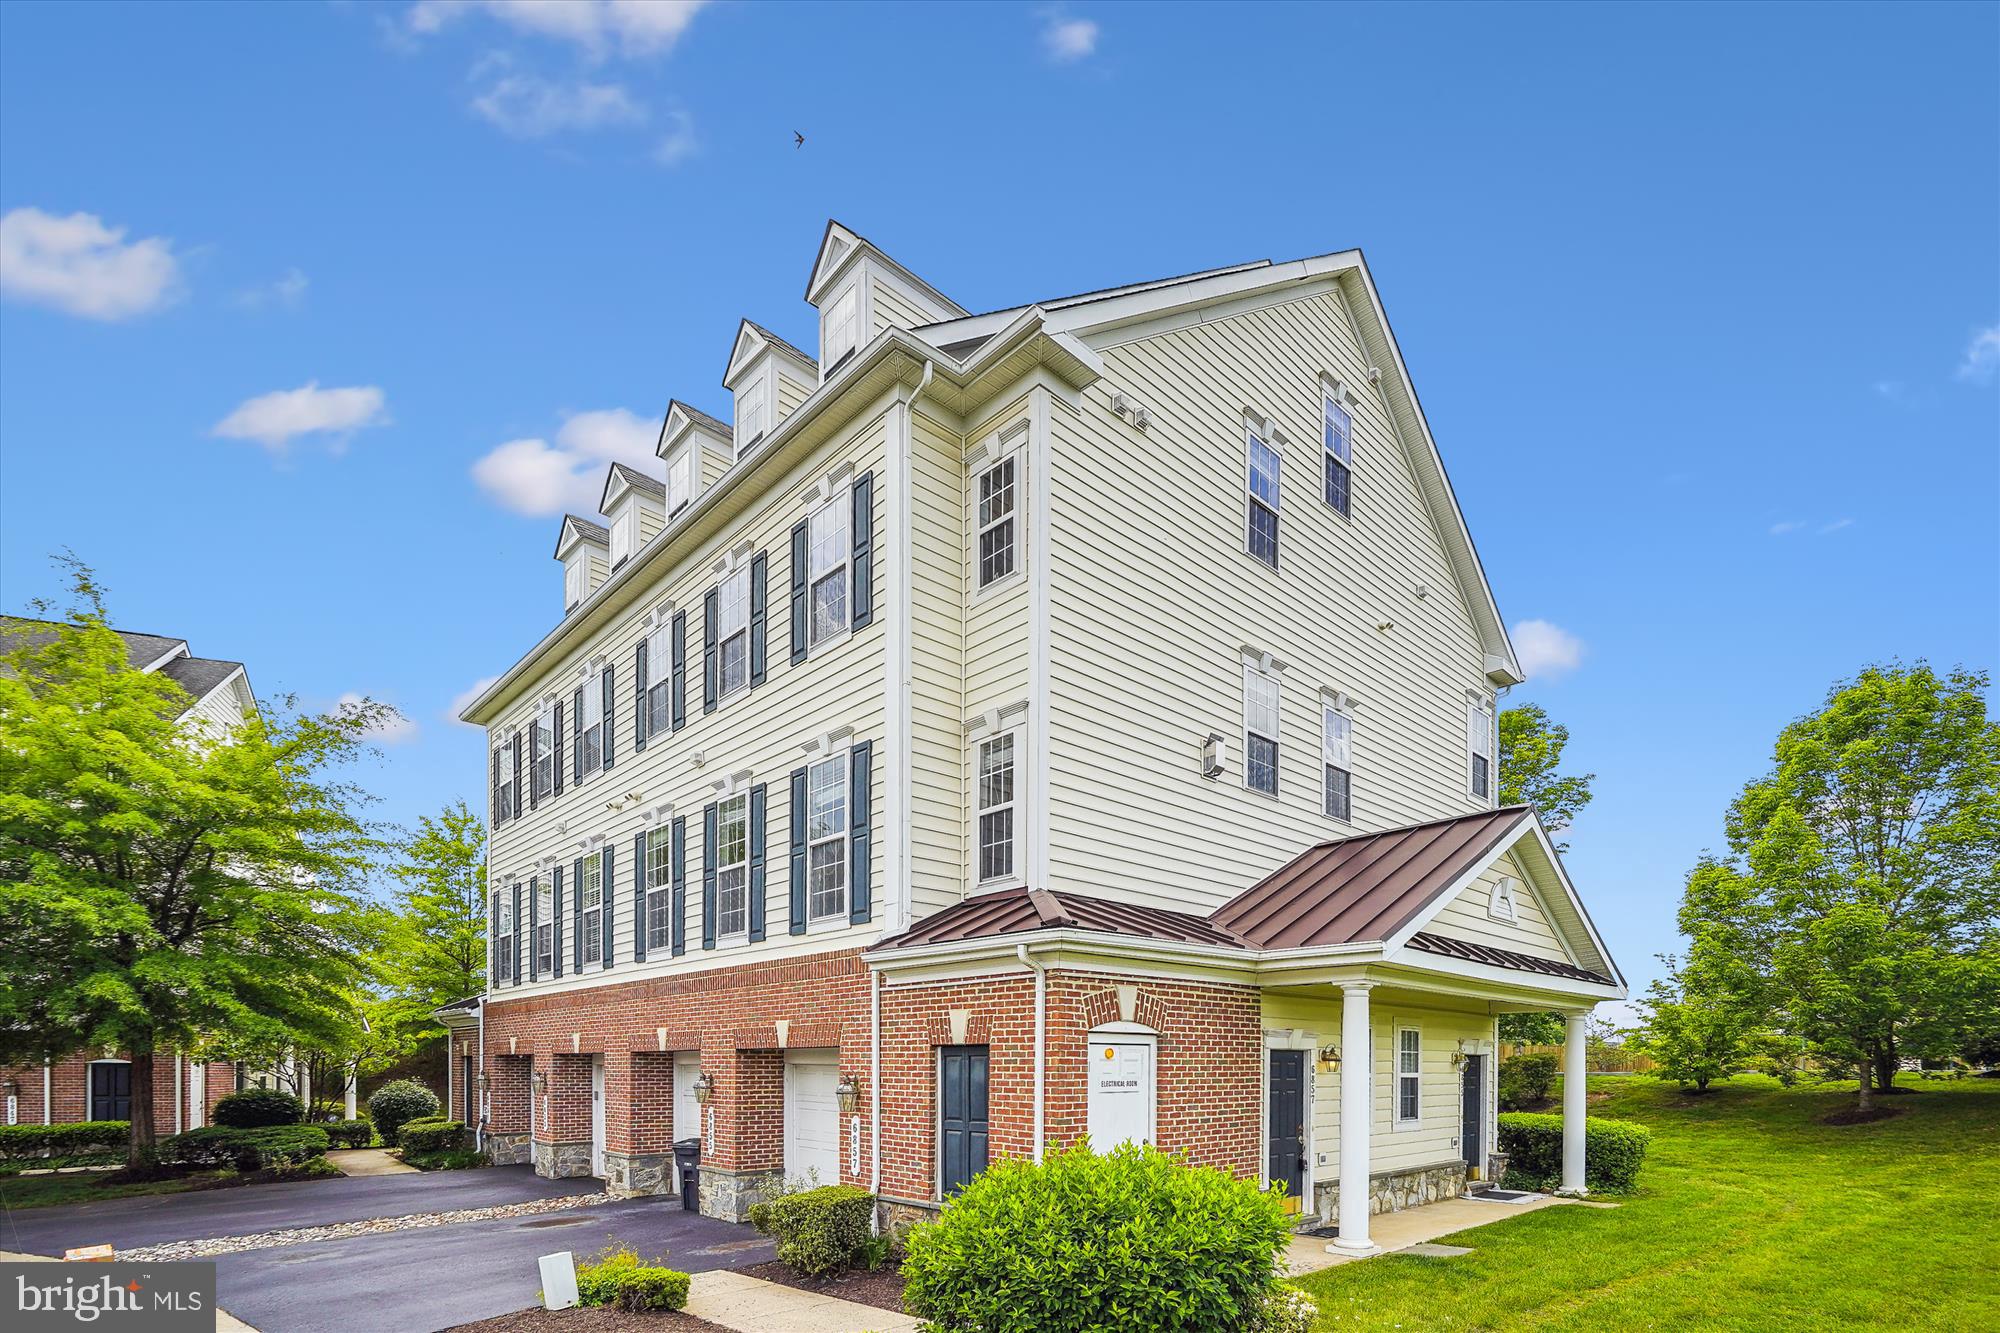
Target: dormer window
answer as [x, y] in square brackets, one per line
[624, 534]
[573, 580]
[842, 330]
[750, 414]
[680, 479]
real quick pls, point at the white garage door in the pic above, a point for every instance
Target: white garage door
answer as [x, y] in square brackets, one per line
[812, 1117]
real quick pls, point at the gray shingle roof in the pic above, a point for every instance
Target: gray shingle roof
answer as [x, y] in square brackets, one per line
[774, 339]
[199, 675]
[640, 481]
[700, 418]
[141, 650]
[595, 532]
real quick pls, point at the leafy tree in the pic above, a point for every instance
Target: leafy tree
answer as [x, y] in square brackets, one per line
[1864, 876]
[160, 884]
[1543, 1029]
[435, 947]
[1698, 1020]
[1531, 751]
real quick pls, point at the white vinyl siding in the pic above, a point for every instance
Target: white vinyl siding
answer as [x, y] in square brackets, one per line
[590, 905]
[732, 867]
[996, 825]
[1470, 917]
[826, 837]
[830, 550]
[1261, 712]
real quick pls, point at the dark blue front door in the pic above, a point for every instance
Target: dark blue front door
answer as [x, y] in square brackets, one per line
[111, 1092]
[1286, 1128]
[961, 1116]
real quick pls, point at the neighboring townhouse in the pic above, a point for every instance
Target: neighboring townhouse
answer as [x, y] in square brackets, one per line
[1071, 719]
[97, 1085]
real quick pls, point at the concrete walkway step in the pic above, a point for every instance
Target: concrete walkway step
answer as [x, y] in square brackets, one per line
[368, 1162]
[752, 1305]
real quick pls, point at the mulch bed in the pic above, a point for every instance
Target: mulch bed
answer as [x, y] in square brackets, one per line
[882, 1288]
[600, 1319]
[1852, 1115]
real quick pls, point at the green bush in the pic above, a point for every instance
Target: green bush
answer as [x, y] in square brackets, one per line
[617, 1278]
[819, 1231]
[457, 1159]
[350, 1133]
[1612, 1152]
[431, 1134]
[254, 1108]
[1525, 1081]
[22, 1143]
[395, 1104]
[259, 1149]
[1286, 1310]
[1134, 1238]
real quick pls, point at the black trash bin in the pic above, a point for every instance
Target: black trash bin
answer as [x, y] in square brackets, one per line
[687, 1157]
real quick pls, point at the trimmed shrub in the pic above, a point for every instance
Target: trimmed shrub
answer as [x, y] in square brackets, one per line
[1134, 1238]
[431, 1134]
[820, 1231]
[457, 1159]
[617, 1278]
[260, 1149]
[350, 1133]
[395, 1104]
[1612, 1152]
[26, 1143]
[254, 1108]
[1526, 1080]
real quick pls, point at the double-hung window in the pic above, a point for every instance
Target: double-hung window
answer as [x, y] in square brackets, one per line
[659, 906]
[732, 866]
[826, 837]
[841, 330]
[590, 724]
[1261, 536]
[543, 778]
[503, 934]
[573, 580]
[732, 632]
[545, 926]
[590, 909]
[680, 479]
[999, 522]
[624, 534]
[1338, 437]
[994, 788]
[506, 796]
[1260, 729]
[1409, 1075]
[1479, 748]
[1337, 759]
[829, 550]
[750, 416]
[660, 678]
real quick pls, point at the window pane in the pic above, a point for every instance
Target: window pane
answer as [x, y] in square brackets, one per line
[1410, 1107]
[996, 493]
[826, 876]
[1264, 534]
[829, 605]
[1339, 431]
[732, 604]
[826, 799]
[996, 772]
[1336, 483]
[1263, 472]
[1263, 766]
[828, 536]
[996, 844]
[732, 916]
[732, 832]
[659, 918]
[1260, 702]
[1479, 775]
[996, 553]
[658, 845]
[1339, 794]
[593, 881]
[735, 662]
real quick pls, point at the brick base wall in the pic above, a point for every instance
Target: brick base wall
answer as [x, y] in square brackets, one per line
[69, 1090]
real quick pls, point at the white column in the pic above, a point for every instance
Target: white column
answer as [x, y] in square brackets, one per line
[1357, 1058]
[354, 1078]
[1575, 1084]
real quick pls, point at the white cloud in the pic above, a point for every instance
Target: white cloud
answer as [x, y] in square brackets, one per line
[287, 292]
[1982, 356]
[529, 106]
[80, 266]
[275, 419]
[1546, 650]
[391, 728]
[537, 478]
[1066, 39]
[1835, 526]
[634, 27]
[1792, 525]
[463, 699]
[1786, 528]
[680, 143]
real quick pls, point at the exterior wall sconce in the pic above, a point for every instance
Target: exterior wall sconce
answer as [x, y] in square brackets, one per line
[1458, 1056]
[484, 1083]
[848, 1094]
[704, 1088]
[11, 1087]
[1329, 1059]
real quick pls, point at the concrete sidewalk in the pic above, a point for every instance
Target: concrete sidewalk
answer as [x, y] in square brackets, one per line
[1392, 1232]
[225, 1322]
[752, 1305]
[368, 1162]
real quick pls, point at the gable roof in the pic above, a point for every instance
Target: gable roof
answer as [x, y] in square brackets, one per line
[582, 530]
[837, 248]
[691, 418]
[199, 676]
[751, 340]
[619, 474]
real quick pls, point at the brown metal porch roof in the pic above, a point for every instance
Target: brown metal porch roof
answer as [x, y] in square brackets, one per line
[1017, 910]
[1520, 962]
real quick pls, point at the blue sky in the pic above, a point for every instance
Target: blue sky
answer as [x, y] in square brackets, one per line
[1701, 301]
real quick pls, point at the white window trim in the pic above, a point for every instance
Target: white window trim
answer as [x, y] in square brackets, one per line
[742, 936]
[1485, 711]
[665, 888]
[591, 932]
[842, 494]
[839, 917]
[1262, 431]
[1276, 675]
[1334, 707]
[505, 752]
[503, 908]
[1018, 876]
[1337, 393]
[1396, 1076]
[1010, 443]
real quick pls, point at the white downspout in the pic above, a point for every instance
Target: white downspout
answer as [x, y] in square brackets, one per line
[48, 1111]
[1041, 1030]
[875, 1086]
[180, 1095]
[479, 1133]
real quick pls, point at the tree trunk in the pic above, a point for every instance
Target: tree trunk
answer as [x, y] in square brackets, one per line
[140, 1149]
[1864, 1099]
[1885, 1066]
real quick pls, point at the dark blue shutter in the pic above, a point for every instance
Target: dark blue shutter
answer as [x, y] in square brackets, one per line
[677, 850]
[863, 597]
[610, 712]
[759, 575]
[680, 685]
[858, 890]
[642, 902]
[534, 919]
[576, 913]
[499, 815]
[556, 751]
[800, 599]
[493, 945]
[604, 904]
[757, 863]
[576, 718]
[514, 806]
[555, 921]
[708, 877]
[709, 620]
[639, 696]
[517, 932]
[798, 863]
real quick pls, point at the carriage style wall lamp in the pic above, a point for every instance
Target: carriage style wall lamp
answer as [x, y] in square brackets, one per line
[704, 1088]
[848, 1094]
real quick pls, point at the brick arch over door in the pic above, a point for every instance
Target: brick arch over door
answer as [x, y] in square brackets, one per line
[1105, 1007]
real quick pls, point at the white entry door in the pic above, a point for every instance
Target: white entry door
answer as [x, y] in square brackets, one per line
[197, 1096]
[597, 1116]
[1120, 1101]
[687, 1111]
[812, 1117]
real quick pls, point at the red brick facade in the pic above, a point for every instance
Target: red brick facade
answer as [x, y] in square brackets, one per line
[69, 1091]
[1208, 1071]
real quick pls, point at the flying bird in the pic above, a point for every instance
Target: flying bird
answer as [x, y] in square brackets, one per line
[798, 140]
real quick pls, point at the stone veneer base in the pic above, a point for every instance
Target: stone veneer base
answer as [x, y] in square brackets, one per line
[729, 1195]
[560, 1161]
[1393, 1191]
[508, 1149]
[639, 1173]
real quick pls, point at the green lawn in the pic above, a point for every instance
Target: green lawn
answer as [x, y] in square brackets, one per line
[88, 1187]
[1751, 1214]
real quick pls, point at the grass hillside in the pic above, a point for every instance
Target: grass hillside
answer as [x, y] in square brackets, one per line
[1751, 1214]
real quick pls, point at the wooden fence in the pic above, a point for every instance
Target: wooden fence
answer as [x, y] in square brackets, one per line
[1601, 1059]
